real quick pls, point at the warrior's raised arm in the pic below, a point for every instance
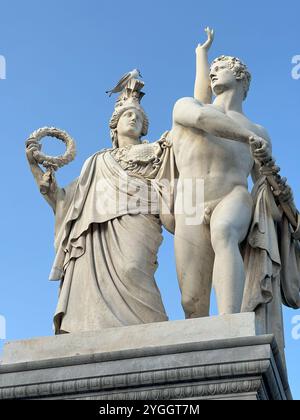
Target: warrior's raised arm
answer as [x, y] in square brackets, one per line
[203, 92]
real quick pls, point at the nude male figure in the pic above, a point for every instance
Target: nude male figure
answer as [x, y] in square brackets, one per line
[212, 142]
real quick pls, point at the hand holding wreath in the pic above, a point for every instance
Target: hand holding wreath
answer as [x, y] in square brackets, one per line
[51, 163]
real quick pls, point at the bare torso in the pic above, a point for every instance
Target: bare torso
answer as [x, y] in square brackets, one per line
[222, 164]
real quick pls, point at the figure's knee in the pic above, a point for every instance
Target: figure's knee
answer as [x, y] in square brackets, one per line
[195, 307]
[131, 270]
[224, 234]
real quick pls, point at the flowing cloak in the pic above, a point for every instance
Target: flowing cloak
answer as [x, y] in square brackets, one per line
[272, 263]
[106, 249]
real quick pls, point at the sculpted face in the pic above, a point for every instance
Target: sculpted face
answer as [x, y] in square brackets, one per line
[222, 78]
[130, 124]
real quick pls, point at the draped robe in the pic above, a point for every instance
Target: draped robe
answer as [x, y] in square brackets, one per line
[272, 263]
[106, 247]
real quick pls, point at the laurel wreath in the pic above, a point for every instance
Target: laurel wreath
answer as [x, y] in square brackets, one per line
[53, 162]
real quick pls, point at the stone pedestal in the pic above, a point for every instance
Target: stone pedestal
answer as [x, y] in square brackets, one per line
[218, 358]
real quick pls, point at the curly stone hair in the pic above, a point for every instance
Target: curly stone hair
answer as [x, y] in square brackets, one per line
[239, 69]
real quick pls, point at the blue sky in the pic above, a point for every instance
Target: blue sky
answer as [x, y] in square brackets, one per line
[62, 55]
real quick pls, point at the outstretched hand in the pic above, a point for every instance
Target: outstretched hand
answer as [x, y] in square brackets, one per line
[31, 147]
[208, 43]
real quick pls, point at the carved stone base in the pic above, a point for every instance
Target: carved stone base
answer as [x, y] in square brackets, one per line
[219, 358]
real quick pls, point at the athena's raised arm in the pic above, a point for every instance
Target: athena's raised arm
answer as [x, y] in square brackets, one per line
[38, 174]
[203, 91]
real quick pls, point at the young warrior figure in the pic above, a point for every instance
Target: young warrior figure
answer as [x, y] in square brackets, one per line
[212, 142]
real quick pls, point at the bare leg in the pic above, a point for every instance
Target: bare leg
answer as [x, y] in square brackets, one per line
[194, 261]
[229, 226]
